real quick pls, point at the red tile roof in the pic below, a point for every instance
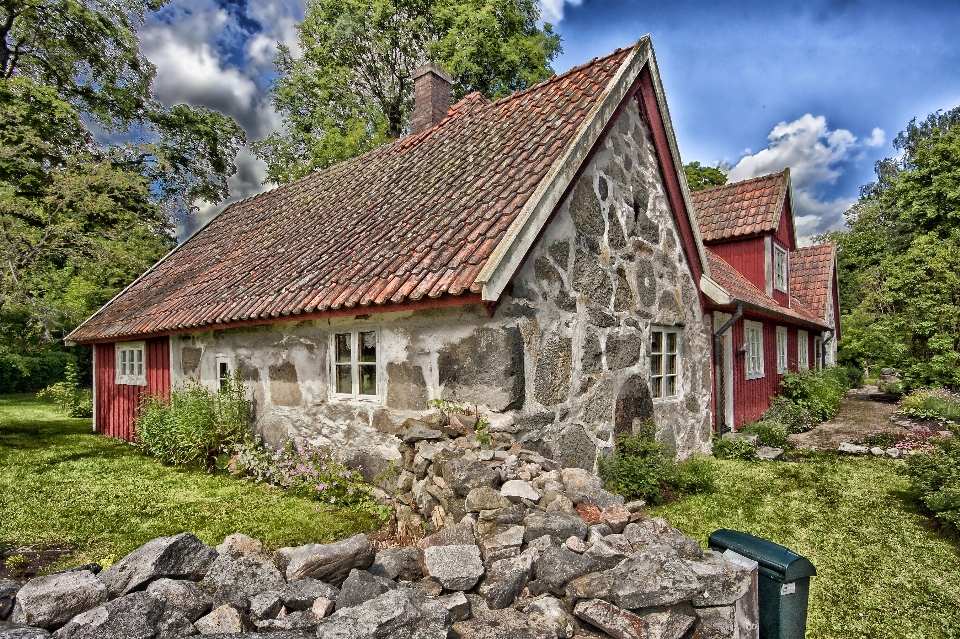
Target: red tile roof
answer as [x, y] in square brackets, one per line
[811, 274]
[741, 208]
[743, 290]
[416, 218]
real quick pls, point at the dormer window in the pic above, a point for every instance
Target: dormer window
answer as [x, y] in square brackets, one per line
[779, 269]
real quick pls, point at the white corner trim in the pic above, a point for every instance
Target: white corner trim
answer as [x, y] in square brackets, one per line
[523, 232]
[714, 291]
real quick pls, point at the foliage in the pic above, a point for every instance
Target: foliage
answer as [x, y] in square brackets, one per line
[793, 417]
[19, 374]
[935, 478]
[351, 89]
[819, 392]
[769, 433]
[481, 428]
[734, 449]
[304, 469]
[16, 563]
[882, 437]
[195, 424]
[63, 486]
[926, 403]
[71, 399]
[643, 468]
[703, 177]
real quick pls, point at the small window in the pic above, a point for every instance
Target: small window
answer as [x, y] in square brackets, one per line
[779, 269]
[355, 364]
[223, 371]
[818, 352]
[781, 349]
[753, 348]
[131, 364]
[665, 362]
[803, 361]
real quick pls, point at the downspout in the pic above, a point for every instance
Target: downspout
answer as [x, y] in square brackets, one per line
[823, 346]
[718, 366]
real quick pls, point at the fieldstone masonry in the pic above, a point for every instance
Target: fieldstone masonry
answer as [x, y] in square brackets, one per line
[564, 364]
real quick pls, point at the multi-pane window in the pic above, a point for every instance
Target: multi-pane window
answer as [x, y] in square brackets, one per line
[131, 364]
[803, 361]
[781, 349]
[355, 363]
[223, 371]
[664, 362]
[818, 352]
[753, 348]
[779, 269]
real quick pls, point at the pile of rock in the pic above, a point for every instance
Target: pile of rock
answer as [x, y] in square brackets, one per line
[519, 548]
[851, 448]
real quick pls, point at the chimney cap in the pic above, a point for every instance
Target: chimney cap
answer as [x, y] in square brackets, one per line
[431, 67]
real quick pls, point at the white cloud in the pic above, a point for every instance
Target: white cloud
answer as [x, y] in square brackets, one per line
[552, 10]
[877, 138]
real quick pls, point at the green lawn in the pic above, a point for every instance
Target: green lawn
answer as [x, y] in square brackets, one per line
[885, 570]
[60, 484]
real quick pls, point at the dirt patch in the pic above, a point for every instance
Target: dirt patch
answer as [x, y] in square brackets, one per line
[861, 411]
[34, 561]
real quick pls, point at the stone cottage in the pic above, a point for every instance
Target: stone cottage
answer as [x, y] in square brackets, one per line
[536, 258]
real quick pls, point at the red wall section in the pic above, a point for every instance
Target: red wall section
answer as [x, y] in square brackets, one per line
[117, 403]
[747, 256]
[785, 231]
[782, 298]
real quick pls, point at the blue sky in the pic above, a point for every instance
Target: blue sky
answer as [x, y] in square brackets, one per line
[822, 87]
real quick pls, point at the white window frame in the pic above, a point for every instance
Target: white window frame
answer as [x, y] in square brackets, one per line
[803, 350]
[782, 363]
[781, 269]
[818, 352]
[222, 360]
[662, 373]
[131, 363]
[355, 364]
[753, 349]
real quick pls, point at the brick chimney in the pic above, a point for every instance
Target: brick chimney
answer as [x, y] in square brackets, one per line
[431, 88]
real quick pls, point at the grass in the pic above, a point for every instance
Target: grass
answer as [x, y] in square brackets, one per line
[62, 485]
[884, 568]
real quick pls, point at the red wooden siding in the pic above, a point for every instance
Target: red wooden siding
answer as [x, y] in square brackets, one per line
[782, 298]
[117, 403]
[748, 257]
[785, 231]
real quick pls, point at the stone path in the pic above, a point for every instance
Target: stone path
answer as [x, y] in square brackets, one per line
[861, 411]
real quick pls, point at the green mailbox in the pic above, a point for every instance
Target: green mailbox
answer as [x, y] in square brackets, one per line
[783, 582]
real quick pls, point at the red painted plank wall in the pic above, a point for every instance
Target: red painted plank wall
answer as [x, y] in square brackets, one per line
[747, 256]
[117, 403]
[785, 232]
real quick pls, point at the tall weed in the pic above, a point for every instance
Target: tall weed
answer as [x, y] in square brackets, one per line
[70, 398]
[819, 392]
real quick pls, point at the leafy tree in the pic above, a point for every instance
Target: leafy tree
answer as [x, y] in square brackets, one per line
[701, 177]
[351, 89]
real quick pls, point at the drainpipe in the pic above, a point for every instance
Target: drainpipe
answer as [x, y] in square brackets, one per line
[718, 374]
[823, 346]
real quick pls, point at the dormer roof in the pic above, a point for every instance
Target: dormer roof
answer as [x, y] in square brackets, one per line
[741, 209]
[811, 272]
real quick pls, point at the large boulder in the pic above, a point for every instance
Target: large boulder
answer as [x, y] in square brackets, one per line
[182, 556]
[8, 590]
[463, 475]
[504, 581]
[456, 567]
[613, 620]
[398, 562]
[558, 566]
[553, 612]
[722, 582]
[331, 562]
[503, 624]
[243, 575]
[653, 577]
[558, 526]
[404, 613]
[134, 616]
[362, 586]
[51, 601]
[181, 597]
[10, 630]
[300, 595]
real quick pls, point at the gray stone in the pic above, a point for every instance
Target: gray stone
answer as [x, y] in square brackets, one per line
[331, 562]
[51, 601]
[670, 623]
[175, 626]
[484, 368]
[518, 490]
[591, 356]
[552, 612]
[606, 554]
[635, 506]
[557, 526]
[182, 597]
[361, 586]
[502, 545]
[240, 545]
[554, 368]
[463, 475]
[557, 566]
[769, 453]
[613, 620]
[404, 613]
[722, 582]
[633, 402]
[284, 387]
[182, 556]
[576, 545]
[266, 605]
[652, 577]
[293, 634]
[590, 279]
[323, 607]
[457, 605]
[585, 208]
[302, 620]
[624, 352]
[407, 389]
[281, 558]
[504, 581]
[595, 585]
[8, 590]
[715, 623]
[134, 616]
[503, 624]
[578, 479]
[876, 451]
[751, 439]
[419, 432]
[646, 284]
[576, 448]
[19, 631]
[300, 595]
[398, 562]
[853, 449]
[225, 619]
[429, 586]
[484, 498]
[456, 567]
[243, 575]
[893, 452]
[616, 516]
[599, 498]
[461, 534]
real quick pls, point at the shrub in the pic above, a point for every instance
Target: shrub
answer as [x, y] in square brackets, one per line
[71, 400]
[19, 374]
[734, 449]
[883, 437]
[769, 433]
[793, 417]
[195, 424]
[935, 478]
[854, 376]
[820, 392]
[926, 403]
[643, 468]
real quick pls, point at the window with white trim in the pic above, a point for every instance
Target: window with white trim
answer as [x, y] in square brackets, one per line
[779, 269]
[781, 349]
[223, 371]
[753, 348]
[818, 352]
[665, 362]
[131, 364]
[803, 361]
[355, 364]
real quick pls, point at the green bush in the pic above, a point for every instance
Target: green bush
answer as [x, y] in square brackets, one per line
[643, 468]
[768, 433]
[793, 417]
[734, 449]
[20, 374]
[195, 424]
[819, 392]
[70, 399]
[935, 478]
[928, 403]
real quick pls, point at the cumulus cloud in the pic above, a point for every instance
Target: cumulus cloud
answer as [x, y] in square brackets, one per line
[552, 10]
[815, 155]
